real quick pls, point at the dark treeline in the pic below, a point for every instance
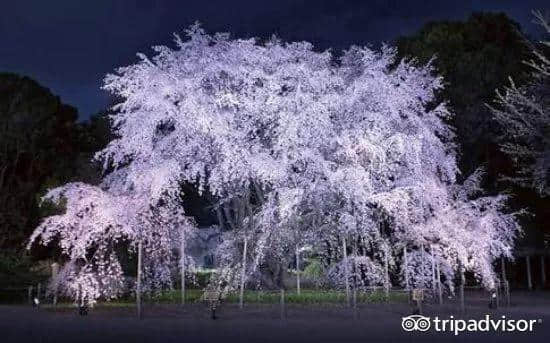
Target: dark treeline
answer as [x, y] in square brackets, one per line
[477, 57]
[42, 143]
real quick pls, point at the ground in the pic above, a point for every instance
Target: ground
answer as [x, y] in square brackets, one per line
[379, 322]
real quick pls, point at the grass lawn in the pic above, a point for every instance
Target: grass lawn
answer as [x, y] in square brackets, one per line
[306, 296]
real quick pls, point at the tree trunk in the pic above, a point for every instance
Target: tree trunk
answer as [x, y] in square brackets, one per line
[220, 216]
[138, 286]
[243, 273]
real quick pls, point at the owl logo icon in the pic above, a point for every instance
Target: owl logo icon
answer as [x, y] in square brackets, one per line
[415, 323]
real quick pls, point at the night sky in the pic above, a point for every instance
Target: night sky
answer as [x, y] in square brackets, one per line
[69, 45]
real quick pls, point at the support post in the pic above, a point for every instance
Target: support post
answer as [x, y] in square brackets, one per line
[387, 275]
[423, 266]
[243, 273]
[182, 266]
[79, 297]
[497, 292]
[139, 277]
[282, 302]
[297, 271]
[542, 271]
[213, 312]
[506, 285]
[38, 291]
[355, 302]
[355, 277]
[346, 271]
[507, 291]
[405, 264]
[433, 270]
[419, 306]
[462, 282]
[503, 268]
[529, 281]
[439, 290]
[30, 295]
[55, 270]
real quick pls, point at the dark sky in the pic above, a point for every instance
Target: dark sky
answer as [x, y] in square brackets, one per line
[69, 45]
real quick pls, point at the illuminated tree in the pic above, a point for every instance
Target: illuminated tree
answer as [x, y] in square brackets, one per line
[524, 115]
[351, 158]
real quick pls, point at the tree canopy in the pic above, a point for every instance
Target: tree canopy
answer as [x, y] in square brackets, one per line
[298, 150]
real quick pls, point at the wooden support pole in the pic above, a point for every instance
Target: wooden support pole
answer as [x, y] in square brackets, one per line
[38, 291]
[355, 298]
[439, 290]
[282, 302]
[462, 282]
[346, 271]
[297, 270]
[419, 306]
[182, 266]
[528, 264]
[79, 297]
[243, 273]
[55, 270]
[503, 268]
[387, 274]
[355, 279]
[405, 265]
[433, 270]
[497, 292]
[424, 271]
[542, 271]
[30, 295]
[139, 277]
[506, 285]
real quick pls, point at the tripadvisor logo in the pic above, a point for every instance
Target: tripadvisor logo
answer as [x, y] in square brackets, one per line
[421, 323]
